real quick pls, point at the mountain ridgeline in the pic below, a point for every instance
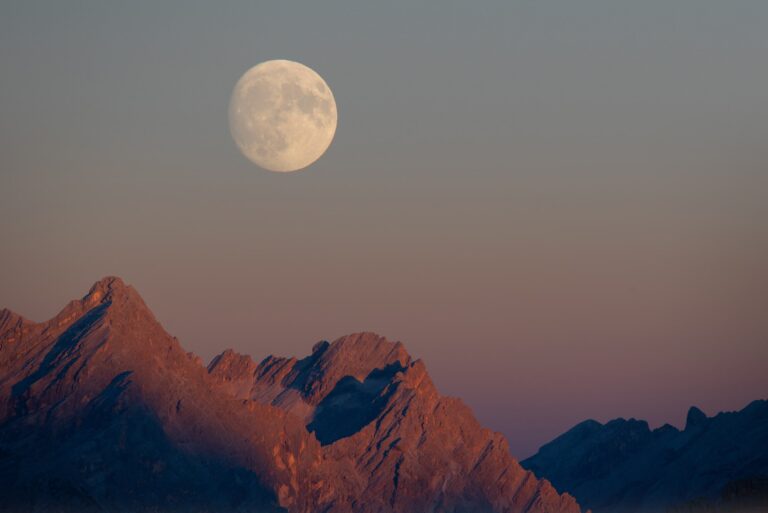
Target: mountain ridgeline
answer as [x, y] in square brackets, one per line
[715, 464]
[101, 410]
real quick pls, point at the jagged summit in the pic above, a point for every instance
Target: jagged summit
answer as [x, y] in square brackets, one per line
[113, 290]
[105, 287]
[110, 296]
[370, 403]
[624, 467]
[102, 292]
[301, 385]
[695, 418]
[105, 411]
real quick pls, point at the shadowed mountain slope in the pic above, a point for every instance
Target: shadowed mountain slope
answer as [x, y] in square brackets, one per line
[623, 466]
[102, 410]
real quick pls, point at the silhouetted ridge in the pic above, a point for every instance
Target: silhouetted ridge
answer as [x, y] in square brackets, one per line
[695, 418]
[623, 467]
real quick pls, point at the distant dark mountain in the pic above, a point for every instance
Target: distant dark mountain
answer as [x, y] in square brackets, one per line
[101, 410]
[623, 466]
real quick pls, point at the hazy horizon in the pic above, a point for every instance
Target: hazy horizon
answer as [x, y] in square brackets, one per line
[561, 207]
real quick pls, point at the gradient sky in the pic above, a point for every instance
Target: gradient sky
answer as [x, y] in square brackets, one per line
[560, 205]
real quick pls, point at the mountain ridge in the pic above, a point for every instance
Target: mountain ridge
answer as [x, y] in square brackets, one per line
[624, 466]
[104, 410]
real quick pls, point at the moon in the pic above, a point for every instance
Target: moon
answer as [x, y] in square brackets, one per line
[282, 115]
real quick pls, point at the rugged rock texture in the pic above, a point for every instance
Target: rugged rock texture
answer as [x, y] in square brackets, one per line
[374, 408]
[623, 466]
[299, 386]
[102, 410]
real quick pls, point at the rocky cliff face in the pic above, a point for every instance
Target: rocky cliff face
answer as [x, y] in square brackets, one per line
[623, 466]
[102, 410]
[377, 411]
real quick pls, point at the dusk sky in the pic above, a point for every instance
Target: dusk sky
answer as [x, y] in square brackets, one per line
[561, 206]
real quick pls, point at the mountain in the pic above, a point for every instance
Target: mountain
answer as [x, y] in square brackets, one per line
[370, 405]
[623, 466]
[105, 411]
[102, 410]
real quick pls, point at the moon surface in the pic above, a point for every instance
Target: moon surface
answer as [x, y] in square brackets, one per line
[282, 115]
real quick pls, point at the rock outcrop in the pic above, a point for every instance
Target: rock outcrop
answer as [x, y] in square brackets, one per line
[102, 410]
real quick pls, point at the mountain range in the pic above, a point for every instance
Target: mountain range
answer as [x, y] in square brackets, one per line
[715, 463]
[102, 410]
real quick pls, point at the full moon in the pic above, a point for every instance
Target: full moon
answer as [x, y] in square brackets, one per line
[282, 115]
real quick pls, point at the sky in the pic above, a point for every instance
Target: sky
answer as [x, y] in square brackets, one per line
[560, 206]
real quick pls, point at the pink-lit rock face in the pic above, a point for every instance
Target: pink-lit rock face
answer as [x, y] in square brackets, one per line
[103, 409]
[373, 407]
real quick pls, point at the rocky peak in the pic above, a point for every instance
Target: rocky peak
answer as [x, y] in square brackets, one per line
[670, 470]
[104, 289]
[231, 365]
[102, 389]
[695, 418]
[299, 386]
[320, 347]
[108, 295]
[666, 430]
[580, 432]
[355, 355]
[233, 371]
[112, 290]
[124, 399]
